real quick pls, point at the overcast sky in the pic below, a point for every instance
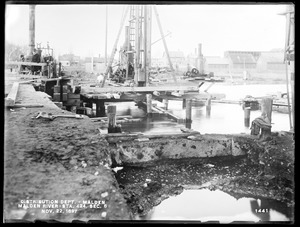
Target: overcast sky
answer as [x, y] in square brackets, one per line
[80, 29]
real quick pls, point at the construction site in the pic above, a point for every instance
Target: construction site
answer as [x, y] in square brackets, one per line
[134, 142]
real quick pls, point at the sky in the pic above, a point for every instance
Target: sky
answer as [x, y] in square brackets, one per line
[80, 29]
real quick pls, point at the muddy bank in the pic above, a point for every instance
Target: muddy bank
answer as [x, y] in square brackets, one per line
[265, 172]
[63, 159]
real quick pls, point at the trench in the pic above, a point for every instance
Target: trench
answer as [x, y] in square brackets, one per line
[202, 189]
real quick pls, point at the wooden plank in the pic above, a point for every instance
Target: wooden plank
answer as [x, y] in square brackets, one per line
[227, 101]
[119, 137]
[169, 114]
[25, 63]
[123, 121]
[12, 95]
[105, 118]
[138, 89]
[27, 105]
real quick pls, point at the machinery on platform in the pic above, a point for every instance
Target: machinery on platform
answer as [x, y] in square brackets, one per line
[135, 54]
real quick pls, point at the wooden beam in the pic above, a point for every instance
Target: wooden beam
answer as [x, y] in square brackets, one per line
[99, 90]
[12, 95]
[105, 118]
[119, 137]
[28, 105]
[25, 63]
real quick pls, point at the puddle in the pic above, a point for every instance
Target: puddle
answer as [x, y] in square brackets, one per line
[205, 205]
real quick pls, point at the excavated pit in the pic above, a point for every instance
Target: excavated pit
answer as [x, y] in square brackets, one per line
[156, 169]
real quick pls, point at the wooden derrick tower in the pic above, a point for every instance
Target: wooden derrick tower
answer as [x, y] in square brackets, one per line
[136, 50]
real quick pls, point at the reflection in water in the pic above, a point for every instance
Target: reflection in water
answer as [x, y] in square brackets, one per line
[223, 118]
[220, 118]
[205, 205]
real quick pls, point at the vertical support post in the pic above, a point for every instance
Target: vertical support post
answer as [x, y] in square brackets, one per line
[166, 103]
[145, 44]
[31, 28]
[293, 95]
[149, 104]
[127, 30]
[54, 70]
[59, 69]
[48, 70]
[100, 109]
[247, 111]
[111, 114]
[208, 106]
[137, 44]
[149, 32]
[188, 112]
[183, 103]
[266, 108]
[106, 9]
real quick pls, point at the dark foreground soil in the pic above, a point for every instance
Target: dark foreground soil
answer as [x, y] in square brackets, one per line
[63, 159]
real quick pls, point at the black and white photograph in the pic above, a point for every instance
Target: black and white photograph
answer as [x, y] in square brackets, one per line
[149, 112]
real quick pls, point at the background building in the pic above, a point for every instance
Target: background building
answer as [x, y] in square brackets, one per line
[240, 61]
[271, 61]
[216, 64]
[95, 64]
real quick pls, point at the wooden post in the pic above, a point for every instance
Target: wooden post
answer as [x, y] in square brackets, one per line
[208, 106]
[166, 103]
[188, 125]
[149, 103]
[111, 114]
[100, 109]
[183, 103]
[188, 117]
[12, 95]
[59, 69]
[266, 107]
[247, 111]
